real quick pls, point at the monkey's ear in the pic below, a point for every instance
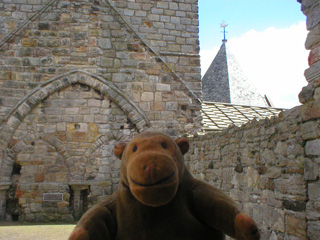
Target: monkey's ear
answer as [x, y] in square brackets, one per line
[183, 144]
[119, 148]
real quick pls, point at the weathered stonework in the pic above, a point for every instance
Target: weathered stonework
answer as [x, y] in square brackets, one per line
[76, 76]
[260, 165]
[272, 167]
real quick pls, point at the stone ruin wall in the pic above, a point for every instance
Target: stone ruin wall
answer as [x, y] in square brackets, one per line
[264, 168]
[77, 76]
[272, 167]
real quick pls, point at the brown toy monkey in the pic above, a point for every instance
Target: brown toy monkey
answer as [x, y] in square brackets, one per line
[159, 199]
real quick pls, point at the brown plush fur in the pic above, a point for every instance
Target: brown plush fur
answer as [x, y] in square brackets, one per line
[159, 199]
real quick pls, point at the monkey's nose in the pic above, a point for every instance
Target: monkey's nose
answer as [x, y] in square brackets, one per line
[149, 168]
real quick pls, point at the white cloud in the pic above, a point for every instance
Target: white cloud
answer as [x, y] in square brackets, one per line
[274, 60]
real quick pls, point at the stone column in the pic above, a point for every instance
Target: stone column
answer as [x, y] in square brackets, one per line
[310, 112]
[77, 204]
[3, 192]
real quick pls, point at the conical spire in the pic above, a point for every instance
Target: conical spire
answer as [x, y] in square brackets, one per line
[225, 82]
[215, 83]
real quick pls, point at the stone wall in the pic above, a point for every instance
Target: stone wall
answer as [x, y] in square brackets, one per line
[76, 76]
[271, 167]
[262, 167]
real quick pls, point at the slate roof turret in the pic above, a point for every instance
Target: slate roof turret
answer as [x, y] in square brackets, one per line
[225, 82]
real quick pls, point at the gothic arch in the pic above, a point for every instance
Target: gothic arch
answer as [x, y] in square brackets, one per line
[48, 138]
[10, 154]
[98, 143]
[23, 107]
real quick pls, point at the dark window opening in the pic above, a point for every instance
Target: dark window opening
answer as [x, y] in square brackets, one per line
[78, 205]
[16, 169]
[184, 107]
[12, 202]
[84, 200]
[71, 199]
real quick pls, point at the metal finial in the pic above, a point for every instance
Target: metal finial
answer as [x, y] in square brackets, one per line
[224, 25]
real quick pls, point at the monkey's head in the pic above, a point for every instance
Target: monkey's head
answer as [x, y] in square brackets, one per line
[152, 166]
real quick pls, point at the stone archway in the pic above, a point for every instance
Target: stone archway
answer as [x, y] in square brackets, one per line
[24, 111]
[52, 140]
[52, 148]
[46, 89]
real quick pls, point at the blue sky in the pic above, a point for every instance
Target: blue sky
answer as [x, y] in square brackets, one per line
[273, 28]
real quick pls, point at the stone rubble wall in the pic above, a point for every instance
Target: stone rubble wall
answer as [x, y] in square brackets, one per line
[263, 167]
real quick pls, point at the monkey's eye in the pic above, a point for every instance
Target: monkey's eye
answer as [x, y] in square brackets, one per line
[164, 145]
[135, 148]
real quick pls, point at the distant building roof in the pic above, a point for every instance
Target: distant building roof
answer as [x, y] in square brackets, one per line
[217, 116]
[225, 81]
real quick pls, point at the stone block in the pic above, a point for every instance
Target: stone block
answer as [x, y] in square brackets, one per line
[185, 7]
[94, 103]
[313, 230]
[273, 172]
[39, 178]
[294, 205]
[128, 12]
[28, 42]
[291, 184]
[164, 5]
[278, 220]
[281, 148]
[310, 111]
[147, 96]
[313, 37]
[141, 13]
[105, 43]
[161, 87]
[145, 106]
[312, 74]
[316, 95]
[63, 210]
[35, 207]
[311, 169]
[171, 106]
[252, 177]
[22, 201]
[173, 6]
[310, 130]
[314, 55]
[50, 128]
[312, 148]
[158, 106]
[306, 95]
[313, 18]
[314, 191]
[296, 227]
[106, 62]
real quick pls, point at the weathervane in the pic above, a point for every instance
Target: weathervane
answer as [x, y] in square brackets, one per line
[224, 25]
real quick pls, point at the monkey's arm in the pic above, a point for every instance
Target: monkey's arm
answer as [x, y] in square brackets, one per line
[98, 223]
[218, 211]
